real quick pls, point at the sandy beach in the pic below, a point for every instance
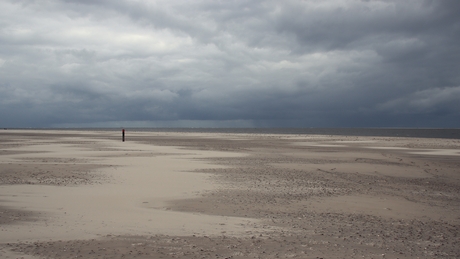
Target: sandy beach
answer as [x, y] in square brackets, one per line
[87, 194]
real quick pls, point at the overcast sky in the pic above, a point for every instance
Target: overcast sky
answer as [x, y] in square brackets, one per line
[210, 63]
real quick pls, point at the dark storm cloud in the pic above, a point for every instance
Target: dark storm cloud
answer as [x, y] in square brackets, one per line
[230, 63]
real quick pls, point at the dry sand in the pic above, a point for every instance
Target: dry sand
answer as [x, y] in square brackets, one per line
[69, 194]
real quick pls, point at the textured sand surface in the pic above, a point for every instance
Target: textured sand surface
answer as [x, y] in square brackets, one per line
[67, 194]
[137, 178]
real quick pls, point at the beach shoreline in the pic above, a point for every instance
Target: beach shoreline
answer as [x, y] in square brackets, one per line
[224, 195]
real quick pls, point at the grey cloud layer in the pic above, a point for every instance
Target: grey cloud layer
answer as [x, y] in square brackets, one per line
[250, 63]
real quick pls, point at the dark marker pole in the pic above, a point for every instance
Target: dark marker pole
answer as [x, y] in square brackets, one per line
[123, 135]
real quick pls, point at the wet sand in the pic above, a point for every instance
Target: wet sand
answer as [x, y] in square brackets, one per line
[69, 194]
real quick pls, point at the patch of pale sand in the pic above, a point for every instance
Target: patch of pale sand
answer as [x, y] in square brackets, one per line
[57, 148]
[233, 136]
[202, 135]
[438, 152]
[356, 141]
[120, 207]
[314, 144]
[395, 148]
[367, 169]
[382, 206]
[304, 137]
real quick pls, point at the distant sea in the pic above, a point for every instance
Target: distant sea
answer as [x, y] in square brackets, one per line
[375, 132]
